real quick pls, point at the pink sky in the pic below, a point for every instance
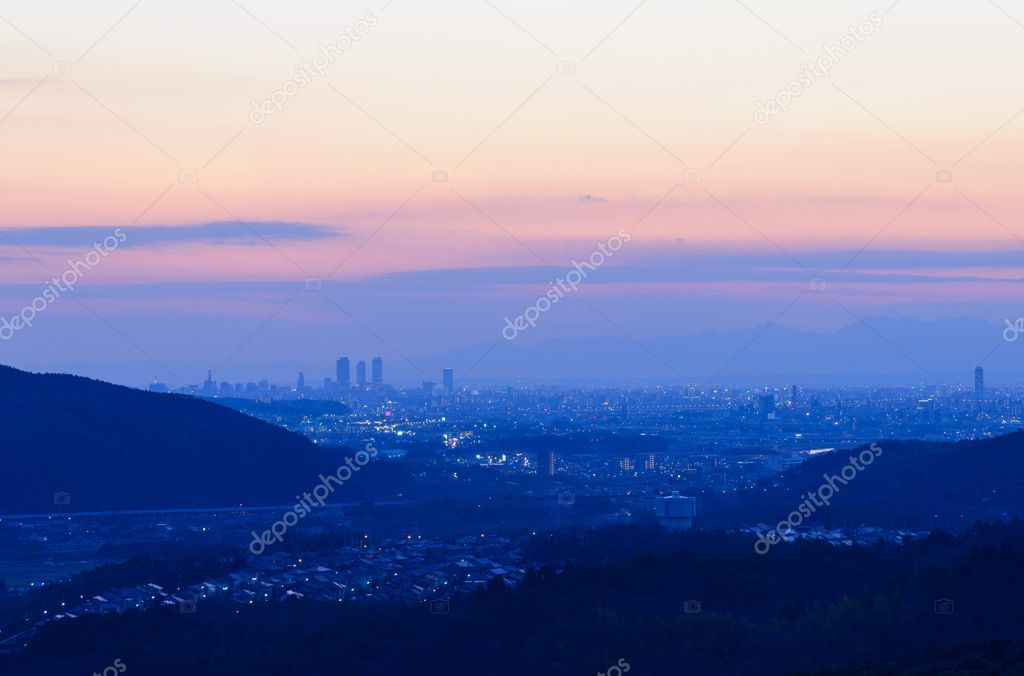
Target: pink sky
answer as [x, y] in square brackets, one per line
[554, 126]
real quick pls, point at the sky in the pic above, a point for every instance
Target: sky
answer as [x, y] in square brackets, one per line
[435, 167]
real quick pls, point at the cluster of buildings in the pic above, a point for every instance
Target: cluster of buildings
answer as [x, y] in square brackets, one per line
[342, 386]
[842, 537]
[708, 419]
[343, 374]
[412, 570]
[418, 571]
[687, 437]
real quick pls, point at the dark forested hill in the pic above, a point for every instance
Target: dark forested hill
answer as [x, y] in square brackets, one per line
[910, 484]
[112, 447]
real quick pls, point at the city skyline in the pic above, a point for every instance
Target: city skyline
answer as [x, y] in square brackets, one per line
[878, 351]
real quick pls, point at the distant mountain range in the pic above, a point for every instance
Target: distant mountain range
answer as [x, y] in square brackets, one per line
[874, 350]
[870, 351]
[73, 444]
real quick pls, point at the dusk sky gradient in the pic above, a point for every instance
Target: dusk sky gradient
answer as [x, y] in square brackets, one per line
[653, 133]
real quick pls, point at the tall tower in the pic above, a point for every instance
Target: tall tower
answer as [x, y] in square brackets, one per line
[301, 384]
[448, 378]
[361, 373]
[378, 371]
[344, 372]
[979, 383]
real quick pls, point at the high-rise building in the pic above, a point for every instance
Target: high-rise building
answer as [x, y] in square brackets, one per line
[767, 406]
[378, 371]
[301, 384]
[428, 387]
[209, 387]
[626, 464]
[448, 378]
[344, 373]
[649, 462]
[979, 383]
[361, 373]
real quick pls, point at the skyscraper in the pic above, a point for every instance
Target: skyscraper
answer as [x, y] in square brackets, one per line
[378, 371]
[979, 383]
[209, 387]
[301, 384]
[344, 372]
[448, 378]
[361, 373]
